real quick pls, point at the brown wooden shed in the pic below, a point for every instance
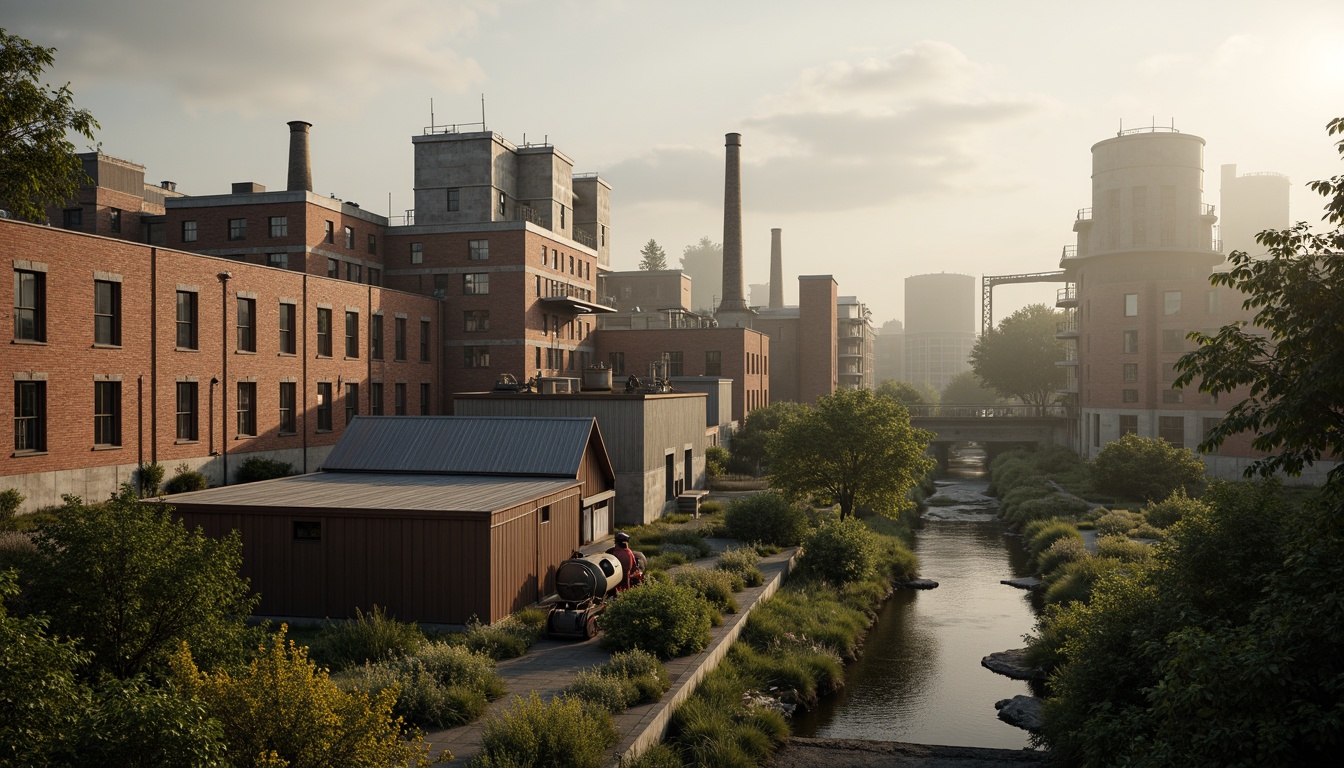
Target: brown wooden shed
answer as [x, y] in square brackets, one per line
[437, 519]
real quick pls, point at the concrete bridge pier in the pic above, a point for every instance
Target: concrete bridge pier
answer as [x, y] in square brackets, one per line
[942, 453]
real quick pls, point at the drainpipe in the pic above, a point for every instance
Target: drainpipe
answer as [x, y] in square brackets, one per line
[224, 278]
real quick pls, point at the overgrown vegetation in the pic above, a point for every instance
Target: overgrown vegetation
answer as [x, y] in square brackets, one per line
[768, 518]
[369, 637]
[185, 480]
[261, 468]
[1146, 468]
[662, 618]
[10, 501]
[442, 685]
[742, 563]
[629, 678]
[563, 731]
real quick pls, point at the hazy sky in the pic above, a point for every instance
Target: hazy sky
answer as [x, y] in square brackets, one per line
[885, 138]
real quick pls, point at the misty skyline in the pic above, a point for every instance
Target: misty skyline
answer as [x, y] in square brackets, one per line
[885, 138]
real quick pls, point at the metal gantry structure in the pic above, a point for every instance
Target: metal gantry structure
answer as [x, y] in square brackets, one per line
[987, 283]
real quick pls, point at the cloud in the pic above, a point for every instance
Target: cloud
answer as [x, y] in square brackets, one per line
[250, 56]
[849, 135]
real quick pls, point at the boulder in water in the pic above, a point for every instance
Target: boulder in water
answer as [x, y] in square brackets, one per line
[1020, 711]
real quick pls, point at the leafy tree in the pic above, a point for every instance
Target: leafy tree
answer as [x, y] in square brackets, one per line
[283, 710]
[1018, 358]
[1146, 468]
[853, 446]
[704, 263]
[130, 582]
[654, 256]
[38, 166]
[1290, 358]
[747, 451]
[967, 389]
[903, 392]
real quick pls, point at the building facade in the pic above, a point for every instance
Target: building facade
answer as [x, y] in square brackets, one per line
[940, 319]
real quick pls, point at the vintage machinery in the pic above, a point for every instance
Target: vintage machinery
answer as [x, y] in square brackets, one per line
[583, 583]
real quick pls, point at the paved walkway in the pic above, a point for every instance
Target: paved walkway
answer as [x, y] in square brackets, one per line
[550, 665]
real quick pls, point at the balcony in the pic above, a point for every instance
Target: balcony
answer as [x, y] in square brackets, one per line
[1067, 296]
[1067, 329]
[1084, 214]
[1068, 252]
[1070, 356]
[1207, 209]
[584, 237]
[574, 298]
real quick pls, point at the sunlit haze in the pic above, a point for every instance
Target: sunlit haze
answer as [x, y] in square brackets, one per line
[885, 138]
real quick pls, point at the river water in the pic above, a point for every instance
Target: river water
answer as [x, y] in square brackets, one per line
[919, 678]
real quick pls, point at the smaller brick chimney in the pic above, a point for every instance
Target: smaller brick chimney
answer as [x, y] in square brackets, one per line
[300, 164]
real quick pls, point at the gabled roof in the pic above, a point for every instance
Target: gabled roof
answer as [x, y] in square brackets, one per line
[531, 446]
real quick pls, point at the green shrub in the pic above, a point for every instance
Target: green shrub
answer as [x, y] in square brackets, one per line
[713, 585]
[841, 551]
[562, 732]
[1060, 553]
[372, 636]
[658, 756]
[10, 501]
[688, 537]
[1117, 521]
[711, 508]
[185, 480]
[610, 693]
[260, 468]
[630, 678]
[716, 460]
[1146, 468]
[150, 477]
[1045, 535]
[442, 686]
[1146, 531]
[661, 618]
[1062, 505]
[1024, 492]
[1075, 581]
[1124, 549]
[766, 517]
[507, 638]
[743, 562]
[1165, 513]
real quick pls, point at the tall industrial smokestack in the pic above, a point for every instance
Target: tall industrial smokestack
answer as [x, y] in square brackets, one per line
[733, 300]
[300, 165]
[776, 270]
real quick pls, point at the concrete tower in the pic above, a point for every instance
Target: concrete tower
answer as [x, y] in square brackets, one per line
[733, 299]
[776, 270]
[300, 162]
[1249, 204]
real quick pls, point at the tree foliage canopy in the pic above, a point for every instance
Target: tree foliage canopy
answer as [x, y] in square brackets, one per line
[1146, 468]
[902, 392]
[38, 166]
[967, 389]
[748, 449]
[854, 447]
[654, 257]
[1017, 359]
[1290, 358]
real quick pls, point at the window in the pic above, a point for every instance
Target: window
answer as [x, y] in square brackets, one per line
[417, 253]
[543, 262]
[351, 402]
[106, 313]
[247, 315]
[376, 337]
[1131, 305]
[476, 283]
[186, 320]
[288, 314]
[399, 399]
[562, 218]
[1173, 340]
[501, 203]
[373, 244]
[1096, 430]
[478, 250]
[114, 219]
[546, 513]
[350, 238]
[1171, 302]
[476, 320]
[30, 305]
[571, 258]
[713, 363]
[1131, 343]
[376, 398]
[375, 276]
[352, 272]
[477, 357]
[617, 360]
[400, 330]
[440, 286]
[1170, 396]
[1211, 302]
[186, 410]
[279, 226]
[307, 531]
[333, 268]
[247, 408]
[352, 334]
[424, 341]
[1129, 395]
[1168, 371]
[424, 399]
[72, 218]
[331, 232]
[237, 229]
[280, 260]
[1131, 371]
[1172, 429]
[454, 199]
[324, 333]
[106, 413]
[1129, 424]
[188, 231]
[1209, 423]
[673, 363]
[30, 416]
[324, 406]
[288, 397]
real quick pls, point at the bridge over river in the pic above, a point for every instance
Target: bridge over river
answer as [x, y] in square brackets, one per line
[997, 427]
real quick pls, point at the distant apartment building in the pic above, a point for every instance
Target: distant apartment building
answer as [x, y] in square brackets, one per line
[940, 321]
[889, 352]
[854, 344]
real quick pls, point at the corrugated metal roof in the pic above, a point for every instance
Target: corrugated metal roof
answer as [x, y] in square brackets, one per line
[352, 490]
[463, 445]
